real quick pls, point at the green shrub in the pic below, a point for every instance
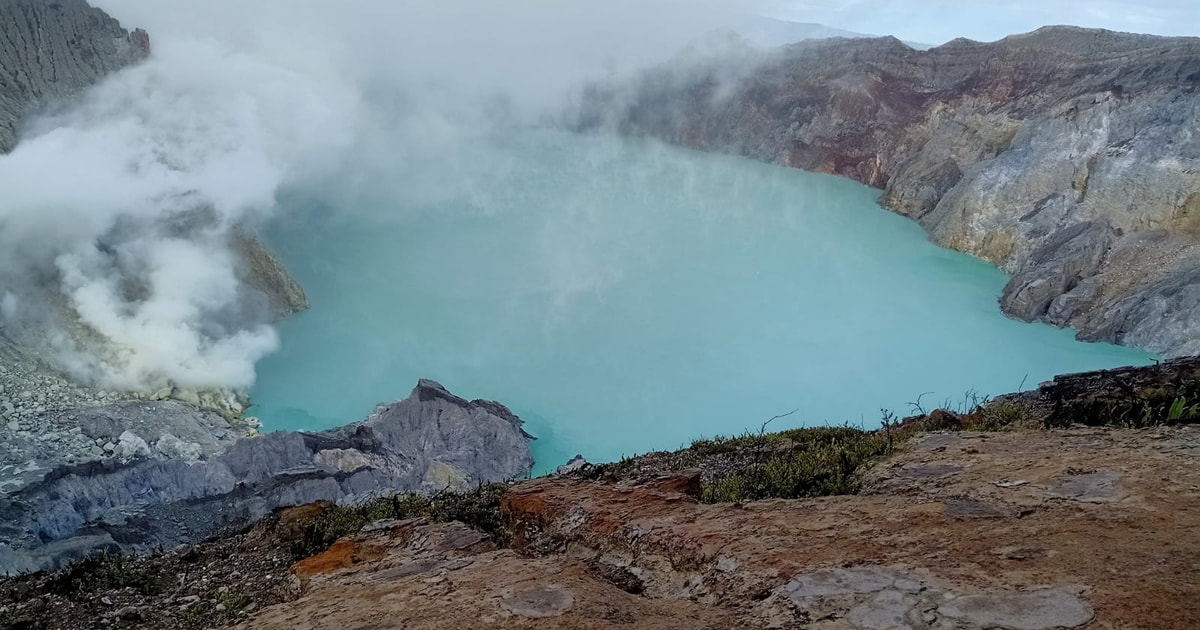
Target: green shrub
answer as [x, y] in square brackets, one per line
[106, 571]
[234, 603]
[999, 414]
[1181, 412]
[1155, 406]
[794, 464]
[479, 508]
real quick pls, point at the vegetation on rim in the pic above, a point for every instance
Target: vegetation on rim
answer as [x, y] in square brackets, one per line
[794, 464]
[478, 508]
[106, 571]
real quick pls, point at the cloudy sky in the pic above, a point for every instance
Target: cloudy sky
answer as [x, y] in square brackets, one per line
[936, 21]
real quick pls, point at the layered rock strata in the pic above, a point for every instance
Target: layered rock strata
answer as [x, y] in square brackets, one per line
[51, 51]
[175, 474]
[1069, 157]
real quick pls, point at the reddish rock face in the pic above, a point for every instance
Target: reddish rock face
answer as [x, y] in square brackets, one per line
[342, 555]
[1053, 155]
[1018, 529]
[685, 484]
[291, 519]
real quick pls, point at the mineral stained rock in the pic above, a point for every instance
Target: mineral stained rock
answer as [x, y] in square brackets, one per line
[1069, 157]
[902, 555]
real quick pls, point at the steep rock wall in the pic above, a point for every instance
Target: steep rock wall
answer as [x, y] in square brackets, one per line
[1069, 157]
[53, 50]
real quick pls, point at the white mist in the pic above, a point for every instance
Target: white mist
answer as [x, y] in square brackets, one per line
[623, 296]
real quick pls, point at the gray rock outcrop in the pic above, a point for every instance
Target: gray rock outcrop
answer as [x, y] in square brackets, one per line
[171, 484]
[1068, 157]
[116, 432]
[50, 51]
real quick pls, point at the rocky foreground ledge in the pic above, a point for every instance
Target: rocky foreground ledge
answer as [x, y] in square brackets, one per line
[961, 530]
[1072, 506]
[176, 474]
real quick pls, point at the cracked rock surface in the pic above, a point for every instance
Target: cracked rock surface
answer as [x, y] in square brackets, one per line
[1007, 535]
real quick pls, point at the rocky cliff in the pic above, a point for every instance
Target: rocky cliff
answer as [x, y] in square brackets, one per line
[172, 474]
[1069, 157]
[50, 51]
[994, 518]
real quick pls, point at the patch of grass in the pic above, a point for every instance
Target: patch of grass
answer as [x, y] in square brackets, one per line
[107, 571]
[621, 469]
[1113, 404]
[999, 414]
[479, 508]
[1156, 406]
[234, 603]
[198, 615]
[794, 464]
[1181, 412]
[818, 437]
[976, 412]
[707, 447]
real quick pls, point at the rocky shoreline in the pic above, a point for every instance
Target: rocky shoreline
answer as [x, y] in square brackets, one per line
[1065, 156]
[175, 474]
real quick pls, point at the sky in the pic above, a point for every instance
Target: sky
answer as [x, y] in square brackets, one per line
[938, 21]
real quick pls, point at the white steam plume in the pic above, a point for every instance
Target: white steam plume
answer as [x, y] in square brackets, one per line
[116, 214]
[121, 207]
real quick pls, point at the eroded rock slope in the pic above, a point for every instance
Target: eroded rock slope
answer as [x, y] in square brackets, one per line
[1069, 157]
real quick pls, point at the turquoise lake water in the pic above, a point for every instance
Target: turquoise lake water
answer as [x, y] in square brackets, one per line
[623, 296]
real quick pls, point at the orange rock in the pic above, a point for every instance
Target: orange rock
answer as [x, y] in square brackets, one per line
[293, 519]
[344, 554]
[957, 549]
[686, 483]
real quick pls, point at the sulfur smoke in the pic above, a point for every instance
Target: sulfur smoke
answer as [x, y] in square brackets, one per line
[117, 217]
